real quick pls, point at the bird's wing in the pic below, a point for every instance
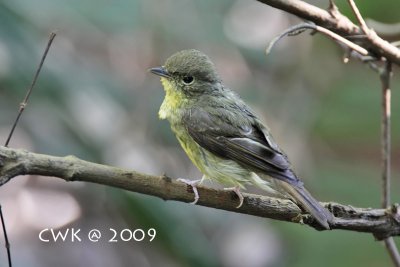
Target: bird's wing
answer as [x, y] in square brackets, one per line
[249, 144]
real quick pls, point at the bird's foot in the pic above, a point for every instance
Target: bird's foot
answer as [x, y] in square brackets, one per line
[193, 184]
[236, 190]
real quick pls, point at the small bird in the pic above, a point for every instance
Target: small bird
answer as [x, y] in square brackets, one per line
[223, 137]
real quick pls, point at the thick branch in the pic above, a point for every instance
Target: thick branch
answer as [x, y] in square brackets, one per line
[382, 223]
[339, 24]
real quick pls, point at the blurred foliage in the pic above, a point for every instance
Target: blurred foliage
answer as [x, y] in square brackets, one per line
[95, 99]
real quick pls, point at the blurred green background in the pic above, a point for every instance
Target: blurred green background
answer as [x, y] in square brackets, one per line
[96, 100]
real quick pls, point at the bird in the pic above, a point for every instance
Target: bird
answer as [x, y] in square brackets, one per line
[223, 137]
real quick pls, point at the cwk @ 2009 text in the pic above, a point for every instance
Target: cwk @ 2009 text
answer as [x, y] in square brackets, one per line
[95, 235]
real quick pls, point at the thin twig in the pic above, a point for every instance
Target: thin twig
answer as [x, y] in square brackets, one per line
[6, 238]
[393, 251]
[370, 60]
[386, 135]
[339, 38]
[302, 26]
[28, 93]
[359, 17]
[386, 153]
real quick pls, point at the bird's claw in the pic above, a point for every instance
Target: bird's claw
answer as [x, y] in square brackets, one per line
[193, 184]
[236, 190]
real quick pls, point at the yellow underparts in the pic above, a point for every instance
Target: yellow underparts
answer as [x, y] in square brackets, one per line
[172, 101]
[223, 171]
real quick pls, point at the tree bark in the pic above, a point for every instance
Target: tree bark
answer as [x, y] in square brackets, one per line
[13, 162]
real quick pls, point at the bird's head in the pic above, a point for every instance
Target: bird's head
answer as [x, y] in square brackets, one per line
[189, 71]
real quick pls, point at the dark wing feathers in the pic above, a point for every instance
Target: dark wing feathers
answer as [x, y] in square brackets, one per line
[255, 149]
[247, 142]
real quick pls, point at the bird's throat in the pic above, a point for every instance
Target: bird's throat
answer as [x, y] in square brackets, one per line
[172, 101]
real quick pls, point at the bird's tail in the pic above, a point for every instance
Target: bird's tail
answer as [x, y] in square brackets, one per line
[304, 198]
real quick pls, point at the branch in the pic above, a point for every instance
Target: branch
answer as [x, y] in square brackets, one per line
[390, 32]
[303, 26]
[339, 24]
[385, 74]
[360, 19]
[22, 106]
[13, 162]
[386, 153]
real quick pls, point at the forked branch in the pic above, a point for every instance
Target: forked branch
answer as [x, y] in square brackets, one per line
[336, 22]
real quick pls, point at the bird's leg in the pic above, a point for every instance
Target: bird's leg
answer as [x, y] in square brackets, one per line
[236, 189]
[193, 184]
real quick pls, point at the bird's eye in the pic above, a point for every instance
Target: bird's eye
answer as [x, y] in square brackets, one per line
[187, 80]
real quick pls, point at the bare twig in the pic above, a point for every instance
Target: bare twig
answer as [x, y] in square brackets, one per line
[393, 251]
[386, 153]
[370, 60]
[386, 135]
[298, 28]
[13, 162]
[360, 18]
[338, 24]
[6, 238]
[28, 93]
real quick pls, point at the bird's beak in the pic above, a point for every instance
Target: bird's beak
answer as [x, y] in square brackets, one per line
[160, 71]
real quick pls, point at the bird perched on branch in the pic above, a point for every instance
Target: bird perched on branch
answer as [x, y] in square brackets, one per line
[223, 137]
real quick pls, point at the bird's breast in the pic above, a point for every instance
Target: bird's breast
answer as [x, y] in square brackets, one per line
[192, 149]
[224, 171]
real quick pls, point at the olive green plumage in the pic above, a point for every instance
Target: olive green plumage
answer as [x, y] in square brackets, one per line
[222, 136]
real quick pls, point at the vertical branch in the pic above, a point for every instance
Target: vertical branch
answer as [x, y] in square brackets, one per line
[386, 136]
[385, 74]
